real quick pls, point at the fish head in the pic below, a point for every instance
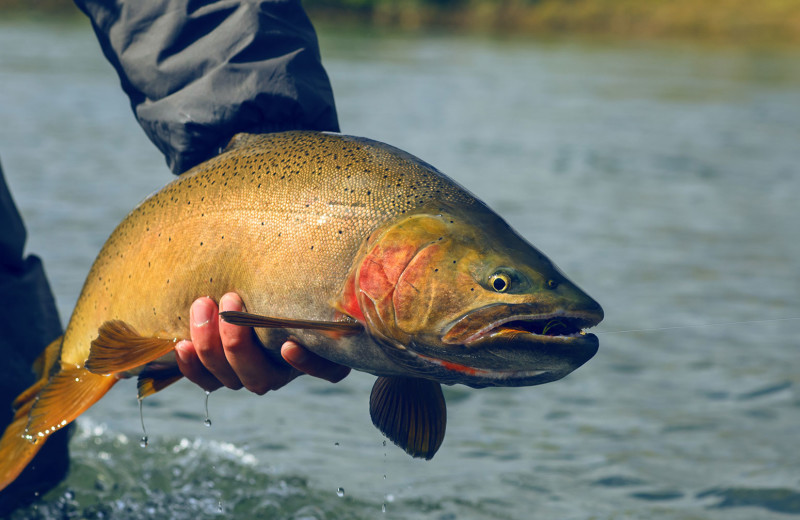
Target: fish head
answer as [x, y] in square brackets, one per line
[456, 295]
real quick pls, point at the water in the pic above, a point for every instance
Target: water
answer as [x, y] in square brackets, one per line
[661, 177]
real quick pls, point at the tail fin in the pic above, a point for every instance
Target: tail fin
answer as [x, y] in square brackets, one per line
[50, 404]
[15, 451]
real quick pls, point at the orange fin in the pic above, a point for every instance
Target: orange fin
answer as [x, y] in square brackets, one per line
[42, 367]
[118, 347]
[66, 395]
[410, 412]
[155, 378]
[15, 451]
[29, 395]
[47, 359]
[336, 328]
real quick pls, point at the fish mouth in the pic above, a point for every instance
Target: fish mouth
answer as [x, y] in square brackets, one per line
[512, 345]
[548, 328]
[510, 321]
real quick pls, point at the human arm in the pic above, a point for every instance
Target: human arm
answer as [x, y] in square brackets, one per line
[196, 74]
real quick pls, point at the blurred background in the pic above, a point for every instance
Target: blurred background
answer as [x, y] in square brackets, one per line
[651, 149]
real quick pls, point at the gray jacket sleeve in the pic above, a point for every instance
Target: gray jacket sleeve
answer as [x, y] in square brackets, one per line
[199, 72]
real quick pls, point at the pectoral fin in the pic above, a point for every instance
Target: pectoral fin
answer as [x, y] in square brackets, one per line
[118, 347]
[333, 328]
[410, 412]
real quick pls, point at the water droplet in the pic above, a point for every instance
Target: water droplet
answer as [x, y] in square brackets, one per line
[384, 444]
[143, 441]
[340, 492]
[335, 443]
[383, 508]
[207, 422]
[219, 508]
[384, 477]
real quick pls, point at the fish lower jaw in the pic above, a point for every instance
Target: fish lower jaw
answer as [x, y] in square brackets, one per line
[551, 328]
[483, 373]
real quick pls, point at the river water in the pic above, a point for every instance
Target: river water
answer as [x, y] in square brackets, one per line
[662, 178]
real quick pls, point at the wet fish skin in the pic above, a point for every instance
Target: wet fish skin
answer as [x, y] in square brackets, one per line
[325, 229]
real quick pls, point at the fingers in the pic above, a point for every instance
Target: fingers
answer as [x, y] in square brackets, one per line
[222, 354]
[246, 356]
[306, 361]
[191, 367]
[202, 360]
[204, 319]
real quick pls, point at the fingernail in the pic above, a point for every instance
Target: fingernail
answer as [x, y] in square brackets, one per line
[230, 302]
[181, 350]
[201, 313]
[295, 352]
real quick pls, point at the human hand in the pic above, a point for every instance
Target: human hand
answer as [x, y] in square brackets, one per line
[223, 354]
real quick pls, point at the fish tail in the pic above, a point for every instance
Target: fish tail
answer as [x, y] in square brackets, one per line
[51, 403]
[15, 451]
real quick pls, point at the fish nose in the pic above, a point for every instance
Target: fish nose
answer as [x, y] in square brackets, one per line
[584, 305]
[595, 311]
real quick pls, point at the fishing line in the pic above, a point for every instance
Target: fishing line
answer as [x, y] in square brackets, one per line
[696, 326]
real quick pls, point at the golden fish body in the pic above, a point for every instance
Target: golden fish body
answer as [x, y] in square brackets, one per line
[278, 218]
[367, 255]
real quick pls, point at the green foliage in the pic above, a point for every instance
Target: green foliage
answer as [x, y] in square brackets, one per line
[735, 20]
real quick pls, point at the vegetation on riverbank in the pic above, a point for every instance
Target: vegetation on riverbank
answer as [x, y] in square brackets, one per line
[725, 20]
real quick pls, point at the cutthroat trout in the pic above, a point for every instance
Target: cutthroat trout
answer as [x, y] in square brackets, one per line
[367, 255]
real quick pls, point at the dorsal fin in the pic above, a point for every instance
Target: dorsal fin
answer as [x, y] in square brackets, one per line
[118, 347]
[242, 140]
[410, 412]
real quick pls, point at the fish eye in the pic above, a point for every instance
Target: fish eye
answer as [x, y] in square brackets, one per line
[500, 282]
[552, 284]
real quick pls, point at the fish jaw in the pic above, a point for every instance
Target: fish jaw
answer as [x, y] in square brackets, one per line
[513, 347]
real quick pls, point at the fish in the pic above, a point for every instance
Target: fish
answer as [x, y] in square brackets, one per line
[365, 254]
